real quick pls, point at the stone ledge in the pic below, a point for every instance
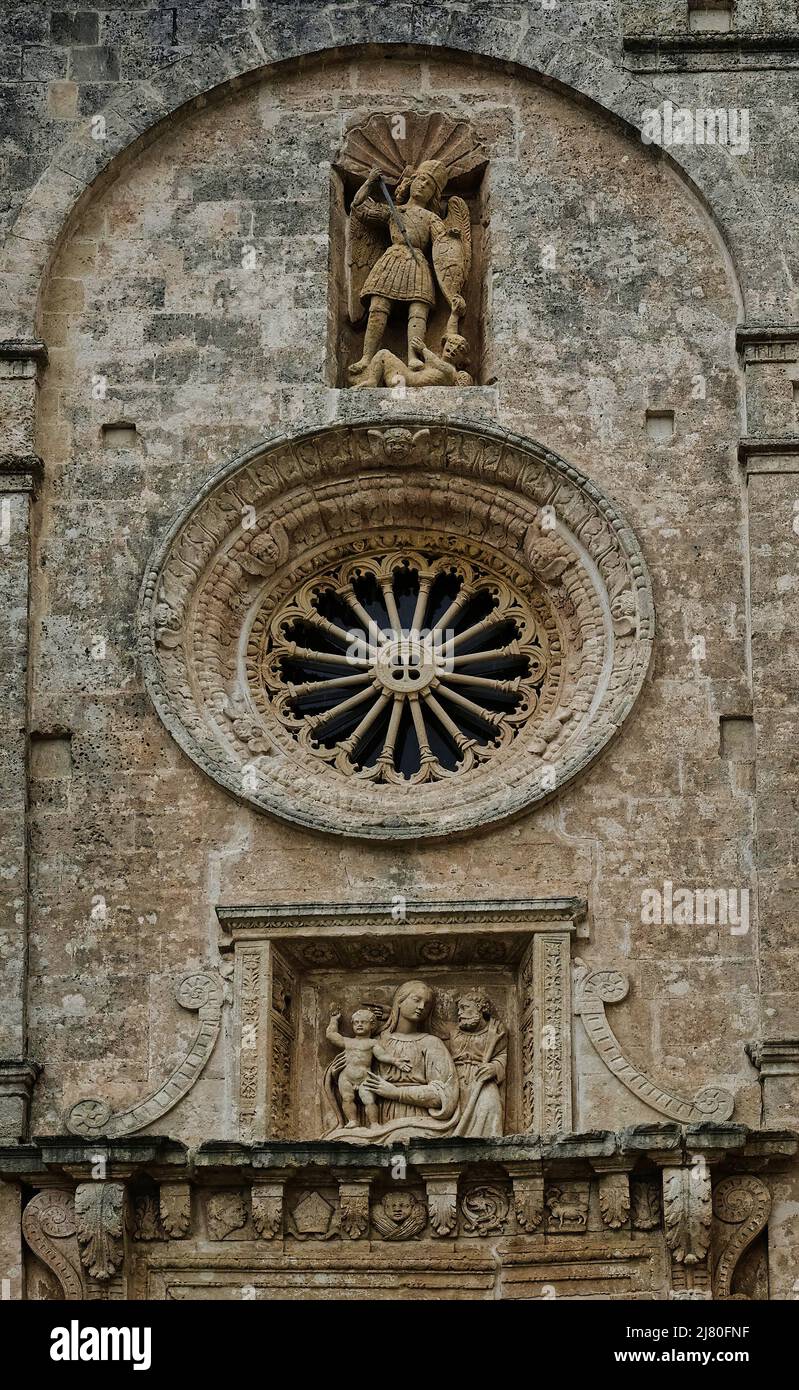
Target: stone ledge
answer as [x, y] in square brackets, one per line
[23, 349]
[159, 1155]
[21, 473]
[775, 1056]
[475, 402]
[339, 917]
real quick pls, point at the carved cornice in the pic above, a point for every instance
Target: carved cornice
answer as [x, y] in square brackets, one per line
[769, 454]
[775, 1056]
[23, 349]
[170, 1161]
[278, 919]
[768, 342]
[21, 473]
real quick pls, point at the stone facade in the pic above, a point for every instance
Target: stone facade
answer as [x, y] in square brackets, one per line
[494, 967]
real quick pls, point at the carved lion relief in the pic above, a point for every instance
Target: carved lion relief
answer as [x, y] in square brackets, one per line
[345, 624]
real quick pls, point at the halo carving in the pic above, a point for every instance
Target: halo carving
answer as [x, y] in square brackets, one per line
[396, 632]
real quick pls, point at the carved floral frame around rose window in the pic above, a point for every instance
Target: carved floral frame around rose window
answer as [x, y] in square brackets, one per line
[552, 626]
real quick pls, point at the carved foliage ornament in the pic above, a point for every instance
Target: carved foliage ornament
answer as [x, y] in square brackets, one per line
[100, 1217]
[345, 622]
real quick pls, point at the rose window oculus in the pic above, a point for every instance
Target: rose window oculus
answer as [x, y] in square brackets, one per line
[405, 667]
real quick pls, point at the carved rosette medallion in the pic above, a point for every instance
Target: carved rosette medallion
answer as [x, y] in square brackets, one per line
[344, 623]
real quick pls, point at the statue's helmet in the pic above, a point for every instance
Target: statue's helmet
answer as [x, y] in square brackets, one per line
[436, 170]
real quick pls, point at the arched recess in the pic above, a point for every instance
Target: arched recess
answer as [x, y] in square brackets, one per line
[133, 120]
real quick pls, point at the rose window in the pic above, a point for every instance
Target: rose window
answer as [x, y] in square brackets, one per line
[404, 667]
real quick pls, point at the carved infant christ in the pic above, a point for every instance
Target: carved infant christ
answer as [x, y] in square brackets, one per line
[419, 1086]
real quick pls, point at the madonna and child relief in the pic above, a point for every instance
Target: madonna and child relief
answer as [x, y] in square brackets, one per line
[396, 1080]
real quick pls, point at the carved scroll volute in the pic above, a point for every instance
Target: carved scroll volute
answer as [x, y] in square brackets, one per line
[201, 992]
[49, 1228]
[101, 1219]
[741, 1206]
[687, 1211]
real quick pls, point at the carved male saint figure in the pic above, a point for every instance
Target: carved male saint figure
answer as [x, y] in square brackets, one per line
[479, 1048]
[403, 275]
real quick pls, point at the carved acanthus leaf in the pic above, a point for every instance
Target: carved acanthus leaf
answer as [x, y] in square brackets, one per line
[687, 1211]
[614, 1199]
[99, 1220]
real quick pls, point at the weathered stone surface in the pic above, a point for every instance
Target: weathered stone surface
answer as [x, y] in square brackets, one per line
[624, 939]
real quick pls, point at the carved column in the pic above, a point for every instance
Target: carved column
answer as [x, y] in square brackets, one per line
[770, 458]
[20, 476]
[546, 1034]
[265, 990]
[17, 1080]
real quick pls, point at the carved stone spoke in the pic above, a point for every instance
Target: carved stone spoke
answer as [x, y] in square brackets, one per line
[406, 667]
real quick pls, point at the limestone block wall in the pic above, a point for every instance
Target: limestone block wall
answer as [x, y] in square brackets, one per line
[610, 297]
[165, 233]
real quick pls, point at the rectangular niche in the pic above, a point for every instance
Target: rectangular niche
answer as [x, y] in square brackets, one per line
[394, 143]
[293, 963]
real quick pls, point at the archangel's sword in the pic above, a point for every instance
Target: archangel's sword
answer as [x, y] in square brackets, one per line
[396, 216]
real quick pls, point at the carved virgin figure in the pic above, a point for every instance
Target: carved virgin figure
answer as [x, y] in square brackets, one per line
[417, 1090]
[423, 243]
[419, 1086]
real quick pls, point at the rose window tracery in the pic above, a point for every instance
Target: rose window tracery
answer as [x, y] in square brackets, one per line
[409, 666]
[396, 629]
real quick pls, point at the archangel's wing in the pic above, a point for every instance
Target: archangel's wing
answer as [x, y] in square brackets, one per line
[364, 246]
[452, 251]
